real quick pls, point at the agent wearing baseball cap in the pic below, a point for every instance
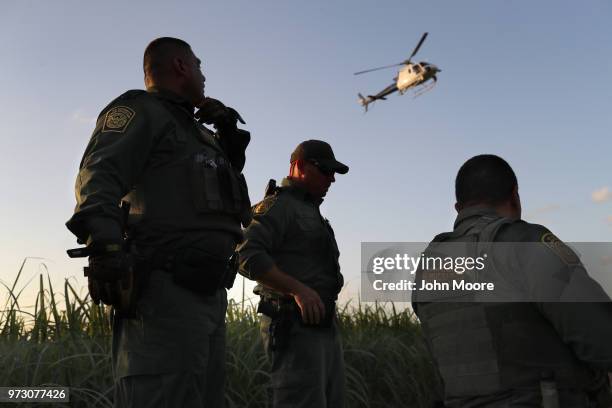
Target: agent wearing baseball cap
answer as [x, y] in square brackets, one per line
[291, 251]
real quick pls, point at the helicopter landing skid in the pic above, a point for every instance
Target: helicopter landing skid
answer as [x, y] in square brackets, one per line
[424, 89]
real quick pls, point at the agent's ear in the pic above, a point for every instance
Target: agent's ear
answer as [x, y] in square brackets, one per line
[458, 207]
[301, 165]
[516, 192]
[293, 169]
[516, 201]
[297, 169]
[179, 65]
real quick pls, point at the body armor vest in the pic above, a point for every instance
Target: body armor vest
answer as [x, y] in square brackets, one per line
[486, 348]
[189, 182]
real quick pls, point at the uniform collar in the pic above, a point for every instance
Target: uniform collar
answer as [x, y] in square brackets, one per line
[172, 97]
[297, 190]
[471, 214]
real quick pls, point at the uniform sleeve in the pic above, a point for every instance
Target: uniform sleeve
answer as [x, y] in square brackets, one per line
[581, 315]
[573, 302]
[263, 236]
[115, 156]
[586, 328]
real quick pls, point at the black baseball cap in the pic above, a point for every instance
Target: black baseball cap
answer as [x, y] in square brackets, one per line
[320, 154]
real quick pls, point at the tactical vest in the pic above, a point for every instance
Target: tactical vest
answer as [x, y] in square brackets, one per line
[486, 348]
[189, 182]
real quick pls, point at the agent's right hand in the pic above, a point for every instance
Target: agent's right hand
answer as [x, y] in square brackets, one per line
[104, 276]
[213, 112]
[109, 267]
[310, 304]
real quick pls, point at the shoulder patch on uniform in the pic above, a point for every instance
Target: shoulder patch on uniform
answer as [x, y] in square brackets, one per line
[118, 119]
[264, 206]
[563, 251]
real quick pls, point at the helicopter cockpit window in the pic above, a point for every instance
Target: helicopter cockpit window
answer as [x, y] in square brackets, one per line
[416, 69]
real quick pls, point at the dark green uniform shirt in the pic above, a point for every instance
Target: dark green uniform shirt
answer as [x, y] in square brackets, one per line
[288, 230]
[183, 188]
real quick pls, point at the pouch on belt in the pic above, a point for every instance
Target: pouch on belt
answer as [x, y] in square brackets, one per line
[202, 272]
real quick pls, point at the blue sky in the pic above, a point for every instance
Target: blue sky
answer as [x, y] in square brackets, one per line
[529, 81]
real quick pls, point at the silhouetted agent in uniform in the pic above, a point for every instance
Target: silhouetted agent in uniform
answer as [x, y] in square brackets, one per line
[547, 348]
[291, 251]
[187, 200]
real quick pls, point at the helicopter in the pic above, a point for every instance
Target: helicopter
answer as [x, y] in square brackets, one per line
[410, 76]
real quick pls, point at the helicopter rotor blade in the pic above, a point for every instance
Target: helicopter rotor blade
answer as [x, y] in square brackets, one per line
[416, 49]
[379, 68]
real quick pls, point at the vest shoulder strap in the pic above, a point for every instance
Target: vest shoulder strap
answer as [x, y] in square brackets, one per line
[487, 235]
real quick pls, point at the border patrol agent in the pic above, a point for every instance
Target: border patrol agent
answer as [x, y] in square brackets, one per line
[549, 352]
[290, 249]
[187, 199]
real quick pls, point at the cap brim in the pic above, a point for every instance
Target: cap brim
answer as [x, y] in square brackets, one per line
[334, 165]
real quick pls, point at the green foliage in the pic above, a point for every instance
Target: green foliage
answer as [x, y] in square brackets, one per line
[66, 341]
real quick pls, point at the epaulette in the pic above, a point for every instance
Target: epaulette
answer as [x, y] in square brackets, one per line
[132, 93]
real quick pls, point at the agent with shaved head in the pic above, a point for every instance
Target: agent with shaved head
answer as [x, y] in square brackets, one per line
[164, 264]
[542, 336]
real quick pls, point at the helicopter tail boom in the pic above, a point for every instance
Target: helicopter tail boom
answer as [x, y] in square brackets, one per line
[382, 95]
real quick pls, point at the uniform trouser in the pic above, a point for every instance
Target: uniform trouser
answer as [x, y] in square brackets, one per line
[309, 371]
[172, 354]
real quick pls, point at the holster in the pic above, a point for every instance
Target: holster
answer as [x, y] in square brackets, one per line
[282, 320]
[284, 313]
[201, 272]
[122, 294]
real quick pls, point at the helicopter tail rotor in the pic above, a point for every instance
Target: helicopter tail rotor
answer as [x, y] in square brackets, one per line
[365, 101]
[362, 100]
